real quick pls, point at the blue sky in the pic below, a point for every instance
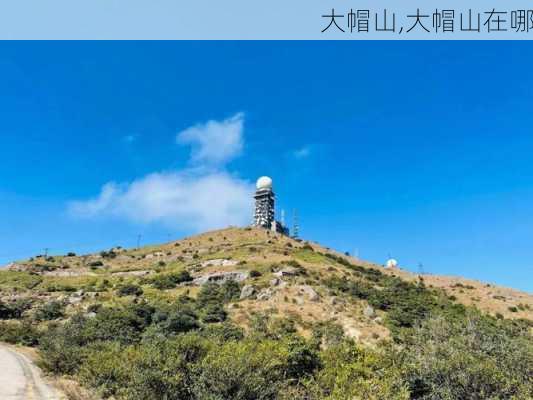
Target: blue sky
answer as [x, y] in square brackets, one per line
[421, 150]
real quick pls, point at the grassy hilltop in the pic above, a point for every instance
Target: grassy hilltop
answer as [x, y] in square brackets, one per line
[251, 314]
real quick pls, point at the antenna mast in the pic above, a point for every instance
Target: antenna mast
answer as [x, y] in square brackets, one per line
[295, 225]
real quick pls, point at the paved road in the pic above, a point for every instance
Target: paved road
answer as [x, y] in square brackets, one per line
[20, 379]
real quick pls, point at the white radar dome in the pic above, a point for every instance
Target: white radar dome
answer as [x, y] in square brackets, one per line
[392, 263]
[264, 182]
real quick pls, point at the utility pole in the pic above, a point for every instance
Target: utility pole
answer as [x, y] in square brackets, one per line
[420, 269]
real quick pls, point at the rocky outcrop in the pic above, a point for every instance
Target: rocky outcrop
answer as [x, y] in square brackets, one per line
[15, 267]
[247, 292]
[287, 271]
[369, 312]
[221, 277]
[219, 262]
[265, 294]
[277, 282]
[309, 292]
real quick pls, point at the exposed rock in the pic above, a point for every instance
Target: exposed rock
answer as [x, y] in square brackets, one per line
[247, 291]
[219, 262]
[15, 267]
[369, 311]
[75, 299]
[221, 277]
[287, 271]
[265, 294]
[311, 294]
[277, 282]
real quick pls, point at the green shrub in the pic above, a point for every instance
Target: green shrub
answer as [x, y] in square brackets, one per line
[214, 293]
[213, 312]
[352, 372]
[108, 254]
[179, 321]
[19, 332]
[241, 371]
[255, 274]
[14, 310]
[95, 264]
[223, 332]
[478, 357]
[62, 347]
[124, 325]
[60, 288]
[49, 311]
[157, 370]
[170, 281]
[129, 290]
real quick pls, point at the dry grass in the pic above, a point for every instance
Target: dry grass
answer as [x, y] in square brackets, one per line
[262, 250]
[73, 391]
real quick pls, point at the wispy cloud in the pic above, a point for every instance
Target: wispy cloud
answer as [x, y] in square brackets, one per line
[214, 143]
[302, 152]
[194, 198]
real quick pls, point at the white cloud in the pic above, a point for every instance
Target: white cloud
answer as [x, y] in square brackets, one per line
[192, 198]
[302, 152]
[214, 142]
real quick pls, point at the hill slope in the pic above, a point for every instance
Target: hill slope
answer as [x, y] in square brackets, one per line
[281, 275]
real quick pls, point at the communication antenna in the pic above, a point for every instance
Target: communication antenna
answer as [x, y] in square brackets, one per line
[295, 225]
[46, 251]
[139, 241]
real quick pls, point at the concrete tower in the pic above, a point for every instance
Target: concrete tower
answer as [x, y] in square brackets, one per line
[264, 204]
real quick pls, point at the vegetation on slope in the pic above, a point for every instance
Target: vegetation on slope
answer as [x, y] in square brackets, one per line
[141, 329]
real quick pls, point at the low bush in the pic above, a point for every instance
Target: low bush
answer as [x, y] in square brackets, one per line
[129, 290]
[14, 310]
[19, 332]
[95, 264]
[170, 281]
[49, 311]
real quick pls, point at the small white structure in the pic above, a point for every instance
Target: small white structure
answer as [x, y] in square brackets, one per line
[265, 182]
[391, 263]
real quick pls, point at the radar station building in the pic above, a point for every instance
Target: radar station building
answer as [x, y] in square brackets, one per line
[265, 206]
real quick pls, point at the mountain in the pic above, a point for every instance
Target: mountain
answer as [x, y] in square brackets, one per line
[276, 266]
[261, 283]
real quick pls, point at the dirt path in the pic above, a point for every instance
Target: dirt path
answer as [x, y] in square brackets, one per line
[20, 379]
